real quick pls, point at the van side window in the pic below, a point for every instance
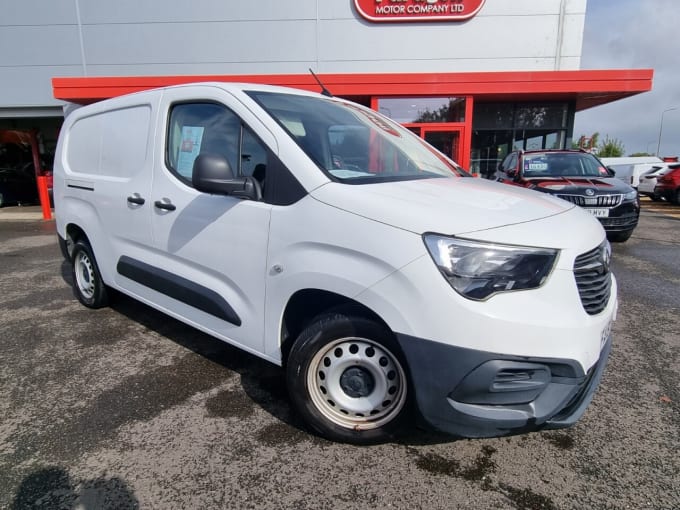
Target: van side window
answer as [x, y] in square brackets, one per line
[197, 128]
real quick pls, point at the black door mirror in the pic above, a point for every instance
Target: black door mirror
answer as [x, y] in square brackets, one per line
[511, 173]
[611, 171]
[213, 174]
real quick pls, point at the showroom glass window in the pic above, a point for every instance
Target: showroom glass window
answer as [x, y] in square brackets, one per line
[500, 128]
[423, 110]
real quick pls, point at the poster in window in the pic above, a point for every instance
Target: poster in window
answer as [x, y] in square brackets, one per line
[190, 147]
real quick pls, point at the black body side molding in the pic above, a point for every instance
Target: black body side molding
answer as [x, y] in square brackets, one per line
[178, 288]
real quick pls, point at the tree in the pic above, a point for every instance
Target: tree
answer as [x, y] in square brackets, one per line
[588, 143]
[453, 111]
[611, 148]
[640, 154]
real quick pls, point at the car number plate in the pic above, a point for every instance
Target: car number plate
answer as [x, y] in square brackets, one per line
[604, 336]
[598, 213]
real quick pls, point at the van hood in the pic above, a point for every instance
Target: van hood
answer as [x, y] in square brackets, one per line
[450, 206]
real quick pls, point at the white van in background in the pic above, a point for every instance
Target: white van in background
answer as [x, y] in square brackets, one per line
[326, 238]
[629, 169]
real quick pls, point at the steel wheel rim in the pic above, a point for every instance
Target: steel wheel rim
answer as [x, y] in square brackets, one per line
[363, 368]
[84, 275]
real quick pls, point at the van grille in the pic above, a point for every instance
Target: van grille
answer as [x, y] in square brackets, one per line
[598, 201]
[593, 278]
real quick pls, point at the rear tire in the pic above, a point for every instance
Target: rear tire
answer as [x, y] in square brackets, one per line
[676, 197]
[347, 379]
[88, 285]
[619, 237]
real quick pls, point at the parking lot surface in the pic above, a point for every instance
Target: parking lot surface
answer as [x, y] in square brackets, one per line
[126, 408]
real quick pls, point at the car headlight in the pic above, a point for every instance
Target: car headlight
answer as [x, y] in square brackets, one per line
[631, 195]
[479, 270]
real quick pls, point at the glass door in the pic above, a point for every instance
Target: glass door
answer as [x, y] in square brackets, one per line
[442, 121]
[446, 140]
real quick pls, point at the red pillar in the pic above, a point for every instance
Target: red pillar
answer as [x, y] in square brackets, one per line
[41, 180]
[44, 197]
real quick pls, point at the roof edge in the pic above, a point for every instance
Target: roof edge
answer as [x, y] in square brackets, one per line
[587, 87]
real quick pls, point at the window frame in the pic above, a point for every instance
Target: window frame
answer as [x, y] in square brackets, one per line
[243, 127]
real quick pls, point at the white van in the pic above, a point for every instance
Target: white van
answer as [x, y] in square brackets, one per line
[630, 169]
[326, 238]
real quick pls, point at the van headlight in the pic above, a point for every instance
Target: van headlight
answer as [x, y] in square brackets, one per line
[478, 270]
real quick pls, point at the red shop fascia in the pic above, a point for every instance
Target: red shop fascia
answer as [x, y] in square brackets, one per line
[582, 88]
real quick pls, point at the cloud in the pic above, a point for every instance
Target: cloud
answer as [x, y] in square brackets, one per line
[629, 34]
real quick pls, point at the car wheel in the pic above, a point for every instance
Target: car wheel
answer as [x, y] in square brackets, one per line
[619, 237]
[88, 285]
[676, 197]
[2, 200]
[655, 197]
[347, 380]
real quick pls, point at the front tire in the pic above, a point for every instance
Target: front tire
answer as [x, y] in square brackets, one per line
[88, 285]
[347, 379]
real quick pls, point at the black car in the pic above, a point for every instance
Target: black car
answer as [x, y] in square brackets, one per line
[17, 186]
[17, 172]
[580, 178]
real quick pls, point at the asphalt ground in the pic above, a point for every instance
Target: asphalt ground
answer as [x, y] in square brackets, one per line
[126, 408]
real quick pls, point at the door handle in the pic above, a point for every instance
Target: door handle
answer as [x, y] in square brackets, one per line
[166, 206]
[135, 199]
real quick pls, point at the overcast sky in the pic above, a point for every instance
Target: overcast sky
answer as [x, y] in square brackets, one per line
[635, 34]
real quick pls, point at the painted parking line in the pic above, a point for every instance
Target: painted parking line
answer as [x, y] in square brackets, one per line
[663, 208]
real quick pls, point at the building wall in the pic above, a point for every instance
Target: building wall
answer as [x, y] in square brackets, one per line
[40, 39]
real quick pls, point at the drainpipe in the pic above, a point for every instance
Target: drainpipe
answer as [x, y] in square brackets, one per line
[318, 35]
[80, 38]
[560, 35]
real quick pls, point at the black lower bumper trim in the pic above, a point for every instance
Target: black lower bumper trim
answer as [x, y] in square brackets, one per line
[472, 393]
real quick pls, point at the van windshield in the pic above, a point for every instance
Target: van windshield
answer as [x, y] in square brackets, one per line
[354, 144]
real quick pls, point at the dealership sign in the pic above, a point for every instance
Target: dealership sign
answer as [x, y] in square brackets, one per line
[418, 10]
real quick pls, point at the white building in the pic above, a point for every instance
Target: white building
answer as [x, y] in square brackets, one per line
[474, 77]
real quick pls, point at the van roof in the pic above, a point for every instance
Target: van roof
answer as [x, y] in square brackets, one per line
[242, 86]
[231, 87]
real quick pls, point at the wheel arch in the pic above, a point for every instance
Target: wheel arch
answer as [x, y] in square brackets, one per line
[72, 233]
[306, 304]
[75, 232]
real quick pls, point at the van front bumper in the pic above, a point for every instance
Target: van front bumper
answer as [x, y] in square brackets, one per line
[472, 393]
